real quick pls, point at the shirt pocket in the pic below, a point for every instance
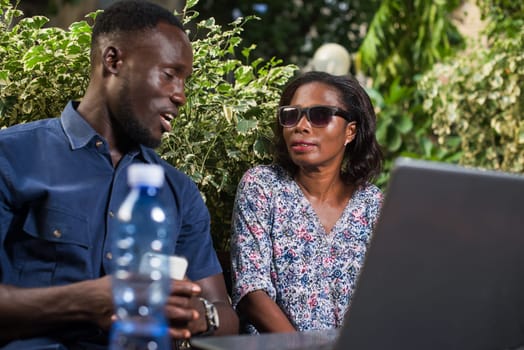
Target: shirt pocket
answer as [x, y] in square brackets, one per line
[53, 248]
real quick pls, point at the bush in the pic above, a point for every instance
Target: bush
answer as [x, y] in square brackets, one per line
[40, 68]
[477, 95]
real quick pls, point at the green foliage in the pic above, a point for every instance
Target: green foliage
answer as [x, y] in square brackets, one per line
[395, 117]
[477, 95]
[40, 68]
[406, 37]
[504, 17]
[223, 129]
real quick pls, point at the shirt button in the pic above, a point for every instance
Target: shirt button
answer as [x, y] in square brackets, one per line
[57, 233]
[109, 256]
[98, 143]
[111, 214]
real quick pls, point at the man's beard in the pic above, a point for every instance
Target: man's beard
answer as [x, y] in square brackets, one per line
[130, 123]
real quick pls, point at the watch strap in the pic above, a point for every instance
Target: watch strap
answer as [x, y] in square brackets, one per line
[211, 315]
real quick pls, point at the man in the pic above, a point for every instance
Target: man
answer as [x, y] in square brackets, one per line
[62, 180]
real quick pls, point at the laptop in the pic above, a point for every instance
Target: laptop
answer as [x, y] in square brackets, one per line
[444, 269]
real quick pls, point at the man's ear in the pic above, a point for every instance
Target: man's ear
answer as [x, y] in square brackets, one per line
[111, 59]
[351, 132]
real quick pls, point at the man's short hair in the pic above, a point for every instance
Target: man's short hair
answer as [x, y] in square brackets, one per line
[129, 16]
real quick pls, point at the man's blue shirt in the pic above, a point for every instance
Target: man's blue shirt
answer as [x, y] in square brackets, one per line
[59, 194]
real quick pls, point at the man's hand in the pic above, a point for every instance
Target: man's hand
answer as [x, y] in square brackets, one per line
[184, 310]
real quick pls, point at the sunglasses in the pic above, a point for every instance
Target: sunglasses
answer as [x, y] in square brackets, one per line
[318, 116]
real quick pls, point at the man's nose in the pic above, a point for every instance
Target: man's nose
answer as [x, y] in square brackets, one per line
[178, 95]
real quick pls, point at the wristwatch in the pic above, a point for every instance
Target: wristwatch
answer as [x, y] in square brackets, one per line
[212, 319]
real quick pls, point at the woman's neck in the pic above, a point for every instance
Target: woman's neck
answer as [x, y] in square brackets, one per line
[327, 194]
[323, 186]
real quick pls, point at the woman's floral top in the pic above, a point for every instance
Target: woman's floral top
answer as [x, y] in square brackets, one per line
[279, 246]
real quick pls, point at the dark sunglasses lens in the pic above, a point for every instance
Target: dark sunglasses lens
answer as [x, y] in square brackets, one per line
[320, 116]
[288, 116]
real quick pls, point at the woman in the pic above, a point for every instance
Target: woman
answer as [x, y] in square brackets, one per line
[301, 226]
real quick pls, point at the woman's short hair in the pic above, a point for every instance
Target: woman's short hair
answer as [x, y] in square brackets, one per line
[363, 156]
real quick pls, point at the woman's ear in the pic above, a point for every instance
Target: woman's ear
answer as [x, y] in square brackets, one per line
[351, 132]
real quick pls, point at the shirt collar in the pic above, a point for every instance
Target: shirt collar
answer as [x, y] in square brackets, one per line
[76, 128]
[80, 133]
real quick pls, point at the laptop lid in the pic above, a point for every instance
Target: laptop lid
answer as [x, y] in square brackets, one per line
[445, 267]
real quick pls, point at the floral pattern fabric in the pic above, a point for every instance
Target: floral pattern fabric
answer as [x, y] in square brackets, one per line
[279, 246]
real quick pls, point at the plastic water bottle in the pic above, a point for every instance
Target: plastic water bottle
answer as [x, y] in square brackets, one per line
[140, 279]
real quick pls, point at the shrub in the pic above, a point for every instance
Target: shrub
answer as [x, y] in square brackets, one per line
[40, 68]
[477, 95]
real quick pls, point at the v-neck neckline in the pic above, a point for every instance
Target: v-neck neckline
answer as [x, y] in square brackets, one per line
[311, 210]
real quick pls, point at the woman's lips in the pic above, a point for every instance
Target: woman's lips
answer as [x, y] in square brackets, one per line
[302, 146]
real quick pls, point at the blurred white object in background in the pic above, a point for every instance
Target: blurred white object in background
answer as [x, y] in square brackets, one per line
[331, 58]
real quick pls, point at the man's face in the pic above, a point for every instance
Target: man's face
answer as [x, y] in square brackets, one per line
[150, 84]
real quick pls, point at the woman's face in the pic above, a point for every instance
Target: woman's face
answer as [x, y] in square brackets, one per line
[314, 148]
